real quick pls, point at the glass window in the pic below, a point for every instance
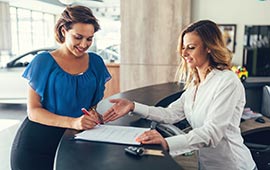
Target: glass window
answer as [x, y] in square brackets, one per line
[31, 30]
[37, 30]
[49, 22]
[24, 30]
[14, 30]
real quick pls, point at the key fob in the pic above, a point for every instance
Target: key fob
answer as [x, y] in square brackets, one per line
[138, 151]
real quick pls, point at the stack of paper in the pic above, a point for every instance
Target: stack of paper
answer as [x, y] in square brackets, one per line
[112, 134]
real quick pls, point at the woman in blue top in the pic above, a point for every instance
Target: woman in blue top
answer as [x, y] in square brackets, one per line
[61, 82]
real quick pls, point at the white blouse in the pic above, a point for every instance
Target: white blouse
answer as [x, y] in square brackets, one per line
[214, 115]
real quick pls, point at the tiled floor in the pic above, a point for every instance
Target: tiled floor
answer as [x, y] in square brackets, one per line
[10, 119]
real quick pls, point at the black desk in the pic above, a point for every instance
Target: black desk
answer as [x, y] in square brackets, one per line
[74, 154]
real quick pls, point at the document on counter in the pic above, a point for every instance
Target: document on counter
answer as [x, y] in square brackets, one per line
[112, 134]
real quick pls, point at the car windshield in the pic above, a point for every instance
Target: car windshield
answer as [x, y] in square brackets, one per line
[24, 61]
[110, 53]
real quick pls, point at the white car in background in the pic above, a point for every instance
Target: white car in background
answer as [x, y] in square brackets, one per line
[13, 88]
[110, 54]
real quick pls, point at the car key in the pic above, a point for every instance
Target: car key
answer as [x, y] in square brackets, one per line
[140, 151]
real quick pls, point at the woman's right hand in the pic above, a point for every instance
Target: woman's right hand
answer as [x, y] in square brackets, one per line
[86, 121]
[120, 108]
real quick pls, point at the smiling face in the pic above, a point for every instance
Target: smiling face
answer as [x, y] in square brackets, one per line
[194, 51]
[79, 38]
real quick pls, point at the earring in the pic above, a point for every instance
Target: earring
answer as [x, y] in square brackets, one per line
[63, 33]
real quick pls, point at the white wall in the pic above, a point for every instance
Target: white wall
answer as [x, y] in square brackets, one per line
[239, 12]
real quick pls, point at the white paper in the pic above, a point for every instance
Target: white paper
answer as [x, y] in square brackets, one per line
[112, 134]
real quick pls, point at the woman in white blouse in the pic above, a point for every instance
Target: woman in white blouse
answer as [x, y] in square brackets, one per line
[212, 103]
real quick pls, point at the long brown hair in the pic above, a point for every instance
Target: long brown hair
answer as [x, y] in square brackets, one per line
[220, 57]
[72, 15]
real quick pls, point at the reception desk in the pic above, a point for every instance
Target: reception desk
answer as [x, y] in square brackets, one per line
[74, 154]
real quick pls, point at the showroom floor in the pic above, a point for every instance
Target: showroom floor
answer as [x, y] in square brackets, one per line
[10, 118]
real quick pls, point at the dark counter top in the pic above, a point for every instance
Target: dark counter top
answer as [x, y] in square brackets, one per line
[73, 154]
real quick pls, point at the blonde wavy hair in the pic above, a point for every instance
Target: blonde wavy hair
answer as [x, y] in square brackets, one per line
[220, 57]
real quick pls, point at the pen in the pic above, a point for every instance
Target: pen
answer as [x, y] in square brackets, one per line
[100, 118]
[87, 113]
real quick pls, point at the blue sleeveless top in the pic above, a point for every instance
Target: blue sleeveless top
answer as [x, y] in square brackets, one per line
[63, 93]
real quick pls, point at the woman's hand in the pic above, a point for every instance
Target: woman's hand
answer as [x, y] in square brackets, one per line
[87, 121]
[120, 108]
[153, 137]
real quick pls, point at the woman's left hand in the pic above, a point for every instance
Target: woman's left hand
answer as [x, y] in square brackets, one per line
[153, 137]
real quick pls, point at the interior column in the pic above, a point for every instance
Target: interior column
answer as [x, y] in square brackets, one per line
[149, 37]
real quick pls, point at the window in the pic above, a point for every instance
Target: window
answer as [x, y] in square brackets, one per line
[31, 30]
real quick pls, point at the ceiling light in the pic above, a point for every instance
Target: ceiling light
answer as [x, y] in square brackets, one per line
[67, 2]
